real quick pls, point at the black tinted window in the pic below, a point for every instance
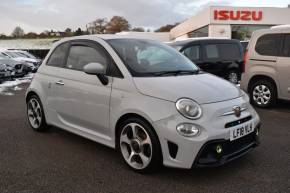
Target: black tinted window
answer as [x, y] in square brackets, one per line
[268, 45]
[230, 51]
[57, 57]
[79, 56]
[192, 52]
[286, 46]
[211, 51]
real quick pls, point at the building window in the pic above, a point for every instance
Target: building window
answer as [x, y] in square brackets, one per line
[244, 32]
[201, 32]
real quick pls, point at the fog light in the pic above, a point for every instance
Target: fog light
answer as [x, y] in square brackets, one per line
[187, 130]
[219, 149]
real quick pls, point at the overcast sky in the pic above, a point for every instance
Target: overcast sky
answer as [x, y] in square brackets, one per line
[40, 15]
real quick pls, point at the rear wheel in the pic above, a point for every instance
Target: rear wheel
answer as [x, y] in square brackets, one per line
[233, 76]
[35, 114]
[139, 145]
[263, 93]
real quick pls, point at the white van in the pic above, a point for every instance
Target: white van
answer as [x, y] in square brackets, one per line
[267, 66]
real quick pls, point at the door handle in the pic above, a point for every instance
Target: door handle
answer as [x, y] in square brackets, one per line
[59, 83]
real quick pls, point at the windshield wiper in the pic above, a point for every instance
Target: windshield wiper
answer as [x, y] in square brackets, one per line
[176, 72]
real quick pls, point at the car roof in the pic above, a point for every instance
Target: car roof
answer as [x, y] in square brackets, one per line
[105, 37]
[199, 40]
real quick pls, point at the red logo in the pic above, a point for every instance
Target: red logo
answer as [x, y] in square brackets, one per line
[238, 15]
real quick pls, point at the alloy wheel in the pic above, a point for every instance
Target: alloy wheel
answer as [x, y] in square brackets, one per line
[233, 77]
[136, 146]
[261, 94]
[34, 113]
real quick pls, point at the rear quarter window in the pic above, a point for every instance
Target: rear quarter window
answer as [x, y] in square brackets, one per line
[268, 45]
[286, 46]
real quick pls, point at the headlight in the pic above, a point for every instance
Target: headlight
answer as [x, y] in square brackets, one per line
[188, 108]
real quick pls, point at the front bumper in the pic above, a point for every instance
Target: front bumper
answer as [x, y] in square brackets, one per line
[183, 152]
[231, 150]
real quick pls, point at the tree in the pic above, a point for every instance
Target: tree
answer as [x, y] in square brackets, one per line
[117, 24]
[18, 32]
[166, 28]
[79, 32]
[68, 32]
[138, 29]
[98, 26]
[31, 35]
[3, 36]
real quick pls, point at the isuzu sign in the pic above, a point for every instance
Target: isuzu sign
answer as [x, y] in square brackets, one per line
[238, 15]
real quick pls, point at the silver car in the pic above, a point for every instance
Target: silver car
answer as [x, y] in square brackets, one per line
[143, 98]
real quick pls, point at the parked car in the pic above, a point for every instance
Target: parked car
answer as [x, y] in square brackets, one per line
[35, 60]
[15, 55]
[16, 68]
[5, 72]
[221, 57]
[143, 98]
[267, 68]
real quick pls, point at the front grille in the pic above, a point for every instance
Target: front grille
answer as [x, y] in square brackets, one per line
[238, 122]
[231, 150]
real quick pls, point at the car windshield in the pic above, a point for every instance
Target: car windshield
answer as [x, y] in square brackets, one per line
[13, 54]
[27, 55]
[150, 58]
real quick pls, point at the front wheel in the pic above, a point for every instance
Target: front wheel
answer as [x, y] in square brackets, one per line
[139, 145]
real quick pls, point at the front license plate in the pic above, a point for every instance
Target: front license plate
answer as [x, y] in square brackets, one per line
[241, 130]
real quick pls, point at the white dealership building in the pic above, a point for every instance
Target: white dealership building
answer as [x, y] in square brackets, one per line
[230, 22]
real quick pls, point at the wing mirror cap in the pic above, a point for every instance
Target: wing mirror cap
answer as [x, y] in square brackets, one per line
[95, 69]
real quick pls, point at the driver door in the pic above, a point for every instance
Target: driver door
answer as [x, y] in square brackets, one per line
[85, 98]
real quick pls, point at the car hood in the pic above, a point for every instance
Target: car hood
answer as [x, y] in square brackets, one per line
[202, 88]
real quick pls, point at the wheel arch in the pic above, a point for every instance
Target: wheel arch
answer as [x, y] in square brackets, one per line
[127, 116]
[135, 115]
[262, 77]
[29, 94]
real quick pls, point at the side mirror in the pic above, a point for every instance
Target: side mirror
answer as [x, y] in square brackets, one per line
[95, 69]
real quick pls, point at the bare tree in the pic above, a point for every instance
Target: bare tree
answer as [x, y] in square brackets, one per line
[98, 26]
[117, 24]
[18, 32]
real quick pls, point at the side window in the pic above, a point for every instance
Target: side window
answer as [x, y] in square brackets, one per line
[286, 46]
[230, 52]
[211, 51]
[192, 52]
[80, 55]
[268, 45]
[57, 57]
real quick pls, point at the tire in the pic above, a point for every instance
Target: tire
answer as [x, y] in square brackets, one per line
[35, 114]
[144, 158]
[233, 76]
[263, 94]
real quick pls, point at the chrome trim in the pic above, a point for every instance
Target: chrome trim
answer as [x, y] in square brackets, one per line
[233, 112]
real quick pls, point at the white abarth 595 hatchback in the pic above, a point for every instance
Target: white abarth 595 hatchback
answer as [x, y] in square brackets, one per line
[143, 98]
